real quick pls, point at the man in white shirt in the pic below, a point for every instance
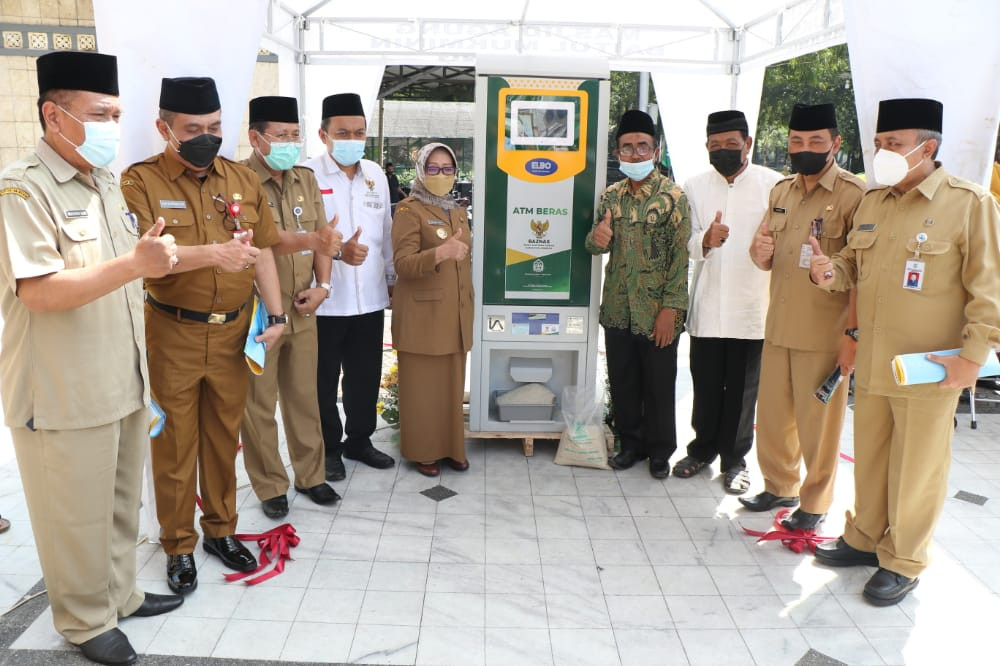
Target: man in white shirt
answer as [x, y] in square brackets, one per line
[350, 321]
[729, 299]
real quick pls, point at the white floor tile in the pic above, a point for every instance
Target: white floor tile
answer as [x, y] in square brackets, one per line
[516, 610]
[384, 644]
[638, 612]
[518, 647]
[650, 647]
[403, 549]
[442, 646]
[187, 636]
[514, 579]
[453, 609]
[398, 608]
[450, 577]
[708, 647]
[584, 647]
[314, 641]
[261, 602]
[330, 606]
[252, 639]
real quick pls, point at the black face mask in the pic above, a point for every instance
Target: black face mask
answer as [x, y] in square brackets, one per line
[808, 163]
[201, 150]
[726, 161]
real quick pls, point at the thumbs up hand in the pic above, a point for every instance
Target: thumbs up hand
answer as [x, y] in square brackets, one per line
[603, 232]
[353, 252]
[821, 269]
[155, 254]
[329, 239]
[453, 248]
[716, 234]
[762, 250]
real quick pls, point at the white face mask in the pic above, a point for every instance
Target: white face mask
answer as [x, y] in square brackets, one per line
[891, 167]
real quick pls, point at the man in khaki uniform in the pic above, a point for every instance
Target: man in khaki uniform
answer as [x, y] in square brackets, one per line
[197, 320]
[307, 243]
[808, 333]
[925, 257]
[73, 356]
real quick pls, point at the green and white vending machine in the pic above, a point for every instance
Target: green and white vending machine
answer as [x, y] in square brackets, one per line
[540, 156]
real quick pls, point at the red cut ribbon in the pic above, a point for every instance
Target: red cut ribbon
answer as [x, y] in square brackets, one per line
[275, 545]
[847, 457]
[795, 540]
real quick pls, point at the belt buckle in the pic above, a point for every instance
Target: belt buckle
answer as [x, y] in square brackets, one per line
[217, 318]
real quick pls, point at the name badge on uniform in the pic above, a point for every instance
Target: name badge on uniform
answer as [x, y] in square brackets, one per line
[777, 209]
[170, 203]
[913, 273]
[73, 214]
[435, 223]
[866, 227]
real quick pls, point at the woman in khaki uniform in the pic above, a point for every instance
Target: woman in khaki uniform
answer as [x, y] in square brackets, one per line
[432, 314]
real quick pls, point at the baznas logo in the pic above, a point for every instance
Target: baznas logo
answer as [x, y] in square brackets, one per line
[538, 266]
[540, 228]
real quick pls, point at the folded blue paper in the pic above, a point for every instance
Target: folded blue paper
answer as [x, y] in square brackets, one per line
[909, 369]
[157, 418]
[255, 352]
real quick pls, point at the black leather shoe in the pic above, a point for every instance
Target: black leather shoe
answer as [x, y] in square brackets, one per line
[321, 494]
[276, 507]
[802, 520]
[625, 459]
[766, 501]
[659, 468]
[839, 553]
[335, 470]
[157, 604]
[886, 588]
[372, 457]
[232, 553]
[182, 576]
[111, 647]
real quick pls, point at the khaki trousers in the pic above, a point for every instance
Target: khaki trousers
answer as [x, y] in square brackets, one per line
[199, 377]
[794, 427]
[82, 488]
[902, 449]
[289, 376]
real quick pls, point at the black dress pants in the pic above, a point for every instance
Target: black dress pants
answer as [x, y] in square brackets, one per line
[352, 346]
[725, 373]
[642, 378]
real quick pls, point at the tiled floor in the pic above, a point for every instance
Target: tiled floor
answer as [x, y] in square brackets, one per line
[534, 563]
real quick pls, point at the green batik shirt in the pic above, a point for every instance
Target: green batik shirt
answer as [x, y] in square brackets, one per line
[648, 267]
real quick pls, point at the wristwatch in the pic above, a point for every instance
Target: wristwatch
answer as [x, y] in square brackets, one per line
[277, 319]
[852, 332]
[326, 285]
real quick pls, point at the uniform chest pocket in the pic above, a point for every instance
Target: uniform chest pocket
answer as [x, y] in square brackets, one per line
[80, 245]
[929, 248]
[180, 223]
[831, 238]
[776, 221]
[861, 243]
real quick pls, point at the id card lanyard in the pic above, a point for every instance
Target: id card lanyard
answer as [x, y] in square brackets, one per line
[913, 272]
[806, 251]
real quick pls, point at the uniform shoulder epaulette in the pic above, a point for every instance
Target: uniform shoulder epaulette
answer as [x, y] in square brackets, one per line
[304, 168]
[149, 160]
[851, 178]
[979, 190]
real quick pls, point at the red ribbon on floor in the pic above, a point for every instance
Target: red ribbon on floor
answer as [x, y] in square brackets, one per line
[795, 540]
[275, 545]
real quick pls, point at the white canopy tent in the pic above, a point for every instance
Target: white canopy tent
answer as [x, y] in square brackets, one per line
[703, 55]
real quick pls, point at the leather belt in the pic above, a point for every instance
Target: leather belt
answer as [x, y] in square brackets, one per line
[203, 317]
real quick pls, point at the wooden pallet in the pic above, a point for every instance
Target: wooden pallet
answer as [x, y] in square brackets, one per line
[528, 438]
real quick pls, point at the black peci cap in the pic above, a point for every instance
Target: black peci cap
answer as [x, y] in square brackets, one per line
[76, 70]
[343, 104]
[808, 117]
[912, 113]
[274, 110]
[726, 121]
[195, 95]
[635, 121]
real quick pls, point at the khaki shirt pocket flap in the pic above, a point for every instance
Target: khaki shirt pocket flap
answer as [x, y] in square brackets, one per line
[928, 247]
[833, 228]
[81, 229]
[776, 221]
[860, 240]
[177, 218]
[428, 294]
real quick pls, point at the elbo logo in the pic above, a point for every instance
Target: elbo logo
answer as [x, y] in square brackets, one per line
[541, 167]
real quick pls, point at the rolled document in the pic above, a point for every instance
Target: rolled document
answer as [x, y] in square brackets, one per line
[829, 386]
[910, 369]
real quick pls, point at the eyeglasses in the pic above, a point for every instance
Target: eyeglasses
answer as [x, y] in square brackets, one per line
[230, 211]
[435, 170]
[642, 150]
[293, 137]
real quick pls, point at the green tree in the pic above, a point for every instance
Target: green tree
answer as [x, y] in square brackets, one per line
[823, 76]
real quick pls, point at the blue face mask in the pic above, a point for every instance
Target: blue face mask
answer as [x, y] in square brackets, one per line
[283, 156]
[636, 170]
[347, 151]
[100, 143]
